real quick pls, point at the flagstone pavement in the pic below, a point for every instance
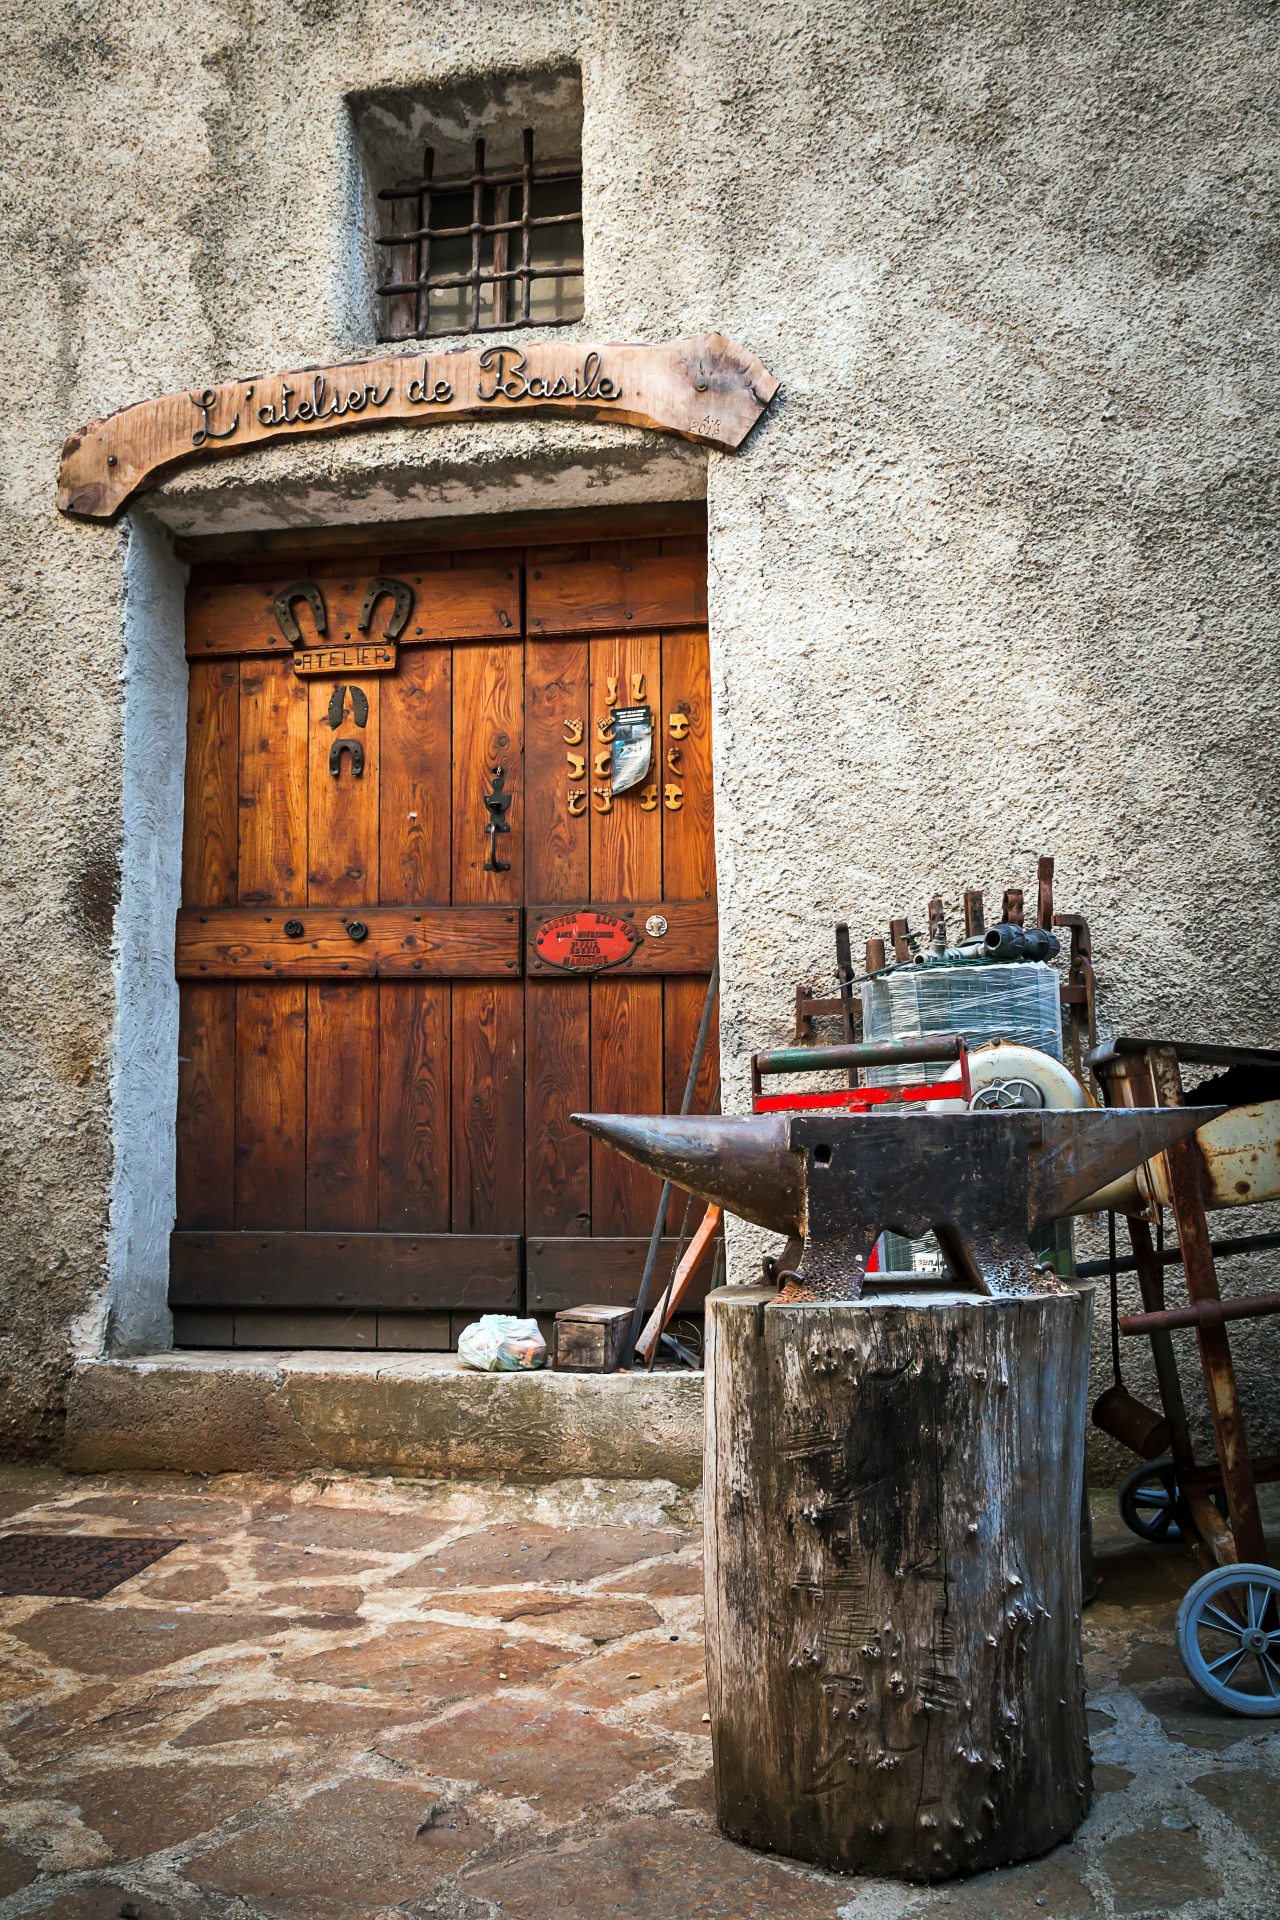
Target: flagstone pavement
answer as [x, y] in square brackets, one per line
[344, 1698]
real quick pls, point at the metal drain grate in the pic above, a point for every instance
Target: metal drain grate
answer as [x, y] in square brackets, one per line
[74, 1566]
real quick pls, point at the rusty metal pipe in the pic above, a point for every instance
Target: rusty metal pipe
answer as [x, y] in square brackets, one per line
[1202, 1313]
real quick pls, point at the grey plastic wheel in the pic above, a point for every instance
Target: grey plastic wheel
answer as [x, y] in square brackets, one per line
[1150, 1501]
[1229, 1637]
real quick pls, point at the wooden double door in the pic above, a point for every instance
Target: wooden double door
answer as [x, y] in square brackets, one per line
[381, 1043]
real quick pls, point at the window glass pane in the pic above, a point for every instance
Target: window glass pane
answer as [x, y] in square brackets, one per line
[450, 259]
[557, 246]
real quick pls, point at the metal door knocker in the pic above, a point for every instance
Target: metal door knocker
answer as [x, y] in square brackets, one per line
[293, 929]
[282, 607]
[357, 930]
[402, 605]
[497, 804]
[336, 752]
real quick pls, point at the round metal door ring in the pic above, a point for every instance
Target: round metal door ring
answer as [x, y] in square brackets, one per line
[655, 926]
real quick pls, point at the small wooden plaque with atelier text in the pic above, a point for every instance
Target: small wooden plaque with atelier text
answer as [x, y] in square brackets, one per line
[364, 656]
[590, 1339]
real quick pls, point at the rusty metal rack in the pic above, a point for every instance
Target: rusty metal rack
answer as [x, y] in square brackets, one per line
[1213, 1507]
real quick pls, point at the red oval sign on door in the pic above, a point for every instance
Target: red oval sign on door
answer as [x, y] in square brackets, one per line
[585, 942]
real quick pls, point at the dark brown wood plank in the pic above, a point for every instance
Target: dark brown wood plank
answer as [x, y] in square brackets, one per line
[610, 596]
[557, 702]
[688, 831]
[286, 552]
[342, 808]
[682, 999]
[488, 1107]
[400, 942]
[211, 814]
[557, 1083]
[688, 945]
[488, 732]
[273, 785]
[414, 1106]
[206, 1106]
[606, 1271]
[398, 1272]
[236, 616]
[626, 836]
[342, 1105]
[626, 1077]
[416, 787]
[270, 1104]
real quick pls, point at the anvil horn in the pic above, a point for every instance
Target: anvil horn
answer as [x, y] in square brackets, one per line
[744, 1165]
[1087, 1150]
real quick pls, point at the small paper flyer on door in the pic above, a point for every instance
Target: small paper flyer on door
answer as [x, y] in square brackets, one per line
[632, 747]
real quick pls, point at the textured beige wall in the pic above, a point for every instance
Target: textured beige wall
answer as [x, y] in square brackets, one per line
[990, 579]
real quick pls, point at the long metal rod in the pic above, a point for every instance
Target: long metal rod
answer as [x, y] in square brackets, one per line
[1172, 1256]
[655, 1238]
[1202, 1313]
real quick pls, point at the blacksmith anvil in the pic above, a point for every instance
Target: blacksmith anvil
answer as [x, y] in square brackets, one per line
[983, 1183]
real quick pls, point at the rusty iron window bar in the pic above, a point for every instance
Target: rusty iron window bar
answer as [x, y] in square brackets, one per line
[414, 277]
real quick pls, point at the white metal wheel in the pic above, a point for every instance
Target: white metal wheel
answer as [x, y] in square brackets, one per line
[1229, 1637]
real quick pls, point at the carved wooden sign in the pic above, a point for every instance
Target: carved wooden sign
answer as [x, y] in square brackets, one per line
[704, 389]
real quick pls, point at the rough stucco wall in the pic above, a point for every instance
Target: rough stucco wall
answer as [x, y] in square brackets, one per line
[989, 580]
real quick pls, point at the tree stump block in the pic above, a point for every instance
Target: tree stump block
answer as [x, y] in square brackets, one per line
[893, 1577]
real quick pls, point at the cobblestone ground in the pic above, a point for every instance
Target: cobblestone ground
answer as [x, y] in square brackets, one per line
[350, 1698]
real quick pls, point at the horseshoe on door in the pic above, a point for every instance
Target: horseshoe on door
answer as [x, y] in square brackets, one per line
[402, 596]
[336, 752]
[282, 607]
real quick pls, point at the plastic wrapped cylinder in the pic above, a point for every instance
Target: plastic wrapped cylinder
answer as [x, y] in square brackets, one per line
[1015, 1002]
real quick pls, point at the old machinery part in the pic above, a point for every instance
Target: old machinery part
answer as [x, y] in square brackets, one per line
[850, 1057]
[1009, 942]
[1239, 1154]
[1004, 1074]
[1023, 1094]
[1130, 1421]
[401, 605]
[355, 750]
[1152, 1504]
[283, 604]
[1229, 1637]
[984, 1183]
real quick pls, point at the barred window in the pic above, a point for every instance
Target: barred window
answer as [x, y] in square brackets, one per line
[482, 251]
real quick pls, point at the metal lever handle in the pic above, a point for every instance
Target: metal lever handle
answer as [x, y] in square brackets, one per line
[862, 1053]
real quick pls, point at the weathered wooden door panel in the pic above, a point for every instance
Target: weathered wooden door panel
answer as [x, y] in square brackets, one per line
[377, 1065]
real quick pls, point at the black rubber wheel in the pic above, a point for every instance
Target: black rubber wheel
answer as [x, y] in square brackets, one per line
[1151, 1503]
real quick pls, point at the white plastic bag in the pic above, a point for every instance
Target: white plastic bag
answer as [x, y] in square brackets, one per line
[502, 1343]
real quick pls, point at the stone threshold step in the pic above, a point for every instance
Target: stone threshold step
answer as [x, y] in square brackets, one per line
[219, 1412]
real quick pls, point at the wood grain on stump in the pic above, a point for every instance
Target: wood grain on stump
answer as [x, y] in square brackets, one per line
[893, 1577]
